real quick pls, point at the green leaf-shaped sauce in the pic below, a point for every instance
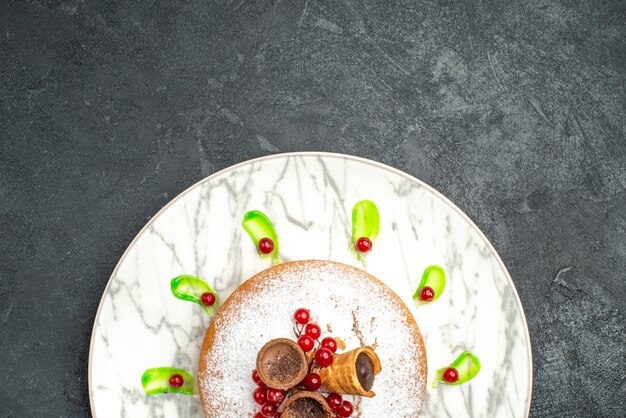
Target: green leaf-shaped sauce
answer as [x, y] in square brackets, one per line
[466, 364]
[433, 277]
[192, 288]
[157, 381]
[365, 223]
[258, 226]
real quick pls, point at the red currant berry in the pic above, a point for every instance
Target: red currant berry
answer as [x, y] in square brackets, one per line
[266, 245]
[302, 316]
[451, 375]
[259, 396]
[330, 343]
[313, 330]
[176, 380]
[207, 299]
[257, 379]
[258, 415]
[306, 343]
[364, 245]
[334, 401]
[312, 382]
[275, 396]
[346, 409]
[324, 357]
[268, 410]
[427, 294]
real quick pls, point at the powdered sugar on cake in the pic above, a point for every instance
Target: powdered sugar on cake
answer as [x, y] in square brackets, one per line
[358, 309]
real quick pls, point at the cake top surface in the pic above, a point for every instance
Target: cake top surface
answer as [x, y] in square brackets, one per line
[345, 302]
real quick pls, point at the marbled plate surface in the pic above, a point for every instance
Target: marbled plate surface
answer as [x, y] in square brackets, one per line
[309, 198]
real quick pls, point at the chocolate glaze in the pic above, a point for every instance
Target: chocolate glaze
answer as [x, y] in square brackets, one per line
[365, 371]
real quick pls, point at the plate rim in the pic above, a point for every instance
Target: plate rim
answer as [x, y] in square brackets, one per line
[285, 155]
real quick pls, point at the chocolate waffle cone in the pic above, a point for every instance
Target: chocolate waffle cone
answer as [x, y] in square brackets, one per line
[281, 363]
[305, 403]
[341, 376]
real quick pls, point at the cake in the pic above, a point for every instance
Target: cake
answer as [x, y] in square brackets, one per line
[347, 303]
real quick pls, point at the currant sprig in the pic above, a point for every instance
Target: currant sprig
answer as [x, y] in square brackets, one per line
[308, 334]
[268, 398]
[339, 406]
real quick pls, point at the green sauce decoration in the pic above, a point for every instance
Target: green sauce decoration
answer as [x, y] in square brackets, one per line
[195, 290]
[263, 234]
[432, 285]
[365, 227]
[168, 380]
[463, 369]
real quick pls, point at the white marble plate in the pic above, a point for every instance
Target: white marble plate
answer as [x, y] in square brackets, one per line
[309, 198]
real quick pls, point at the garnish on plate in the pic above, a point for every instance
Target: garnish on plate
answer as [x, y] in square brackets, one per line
[365, 227]
[196, 290]
[463, 369]
[263, 234]
[161, 380]
[431, 286]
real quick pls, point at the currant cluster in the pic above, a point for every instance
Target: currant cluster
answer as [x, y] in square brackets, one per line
[339, 407]
[269, 398]
[308, 334]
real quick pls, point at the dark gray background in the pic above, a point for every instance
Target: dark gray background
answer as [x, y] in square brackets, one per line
[514, 110]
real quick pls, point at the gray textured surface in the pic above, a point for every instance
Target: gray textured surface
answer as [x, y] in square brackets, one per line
[515, 111]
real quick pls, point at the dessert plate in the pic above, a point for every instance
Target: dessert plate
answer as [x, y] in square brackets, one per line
[309, 198]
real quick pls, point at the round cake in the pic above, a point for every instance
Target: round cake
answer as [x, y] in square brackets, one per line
[346, 303]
